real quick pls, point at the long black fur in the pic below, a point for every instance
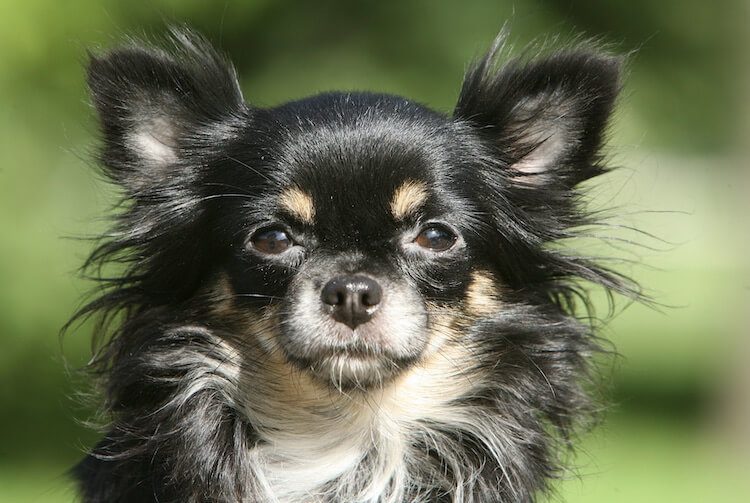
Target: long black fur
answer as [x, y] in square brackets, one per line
[177, 428]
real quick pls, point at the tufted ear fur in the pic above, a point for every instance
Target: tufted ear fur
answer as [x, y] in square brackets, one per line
[545, 117]
[165, 117]
[158, 109]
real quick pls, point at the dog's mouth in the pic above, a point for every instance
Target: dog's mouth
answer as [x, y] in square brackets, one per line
[346, 358]
[347, 368]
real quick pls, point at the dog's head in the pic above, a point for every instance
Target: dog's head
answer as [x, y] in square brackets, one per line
[354, 234]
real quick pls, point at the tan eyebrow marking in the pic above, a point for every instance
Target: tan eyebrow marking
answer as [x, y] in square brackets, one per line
[408, 198]
[299, 204]
[482, 295]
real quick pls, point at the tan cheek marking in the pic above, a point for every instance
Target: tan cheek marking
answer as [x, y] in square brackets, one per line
[221, 296]
[482, 296]
[445, 327]
[299, 204]
[280, 389]
[408, 198]
[444, 374]
[284, 388]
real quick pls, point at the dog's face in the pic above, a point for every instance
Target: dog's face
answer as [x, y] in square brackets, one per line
[355, 234]
[358, 239]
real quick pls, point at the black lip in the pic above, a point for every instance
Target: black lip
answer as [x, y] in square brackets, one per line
[354, 353]
[392, 364]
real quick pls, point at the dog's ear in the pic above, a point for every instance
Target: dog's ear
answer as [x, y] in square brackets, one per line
[544, 117]
[159, 109]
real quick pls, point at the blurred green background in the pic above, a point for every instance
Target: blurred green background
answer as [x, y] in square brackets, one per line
[679, 425]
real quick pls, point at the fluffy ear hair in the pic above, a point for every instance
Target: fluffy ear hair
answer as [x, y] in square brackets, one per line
[546, 116]
[157, 108]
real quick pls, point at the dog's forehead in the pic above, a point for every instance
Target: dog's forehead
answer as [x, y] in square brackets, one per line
[366, 197]
[360, 177]
[394, 203]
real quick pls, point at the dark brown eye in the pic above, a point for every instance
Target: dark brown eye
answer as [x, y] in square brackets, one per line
[271, 241]
[436, 238]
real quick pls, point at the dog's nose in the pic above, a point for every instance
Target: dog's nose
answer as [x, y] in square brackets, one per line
[351, 300]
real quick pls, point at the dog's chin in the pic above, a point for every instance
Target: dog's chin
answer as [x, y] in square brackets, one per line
[351, 371]
[351, 364]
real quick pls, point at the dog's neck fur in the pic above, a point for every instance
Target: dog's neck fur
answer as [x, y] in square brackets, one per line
[322, 444]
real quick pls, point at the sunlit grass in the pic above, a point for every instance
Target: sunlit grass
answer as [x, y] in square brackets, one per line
[37, 483]
[648, 459]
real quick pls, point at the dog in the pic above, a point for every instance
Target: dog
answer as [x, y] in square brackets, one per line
[349, 297]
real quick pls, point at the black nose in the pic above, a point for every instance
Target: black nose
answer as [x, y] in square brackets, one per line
[351, 300]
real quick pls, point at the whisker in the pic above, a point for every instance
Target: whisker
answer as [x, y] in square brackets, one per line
[245, 165]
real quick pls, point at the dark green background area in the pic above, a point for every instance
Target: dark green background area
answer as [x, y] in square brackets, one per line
[678, 428]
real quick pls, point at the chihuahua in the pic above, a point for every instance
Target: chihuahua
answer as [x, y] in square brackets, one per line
[348, 297]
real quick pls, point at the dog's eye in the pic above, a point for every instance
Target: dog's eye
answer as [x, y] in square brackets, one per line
[271, 241]
[436, 238]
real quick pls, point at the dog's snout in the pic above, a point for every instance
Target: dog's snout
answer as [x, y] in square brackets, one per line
[352, 300]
